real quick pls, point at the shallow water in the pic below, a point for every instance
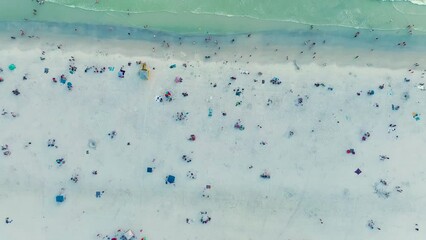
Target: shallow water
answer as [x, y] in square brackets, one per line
[222, 16]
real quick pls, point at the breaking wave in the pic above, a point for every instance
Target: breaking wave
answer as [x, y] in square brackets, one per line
[417, 2]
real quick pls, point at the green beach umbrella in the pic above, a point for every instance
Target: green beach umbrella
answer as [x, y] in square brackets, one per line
[12, 67]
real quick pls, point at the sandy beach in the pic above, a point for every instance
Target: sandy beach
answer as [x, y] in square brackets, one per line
[304, 135]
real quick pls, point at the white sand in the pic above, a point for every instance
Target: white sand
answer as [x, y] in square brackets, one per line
[313, 192]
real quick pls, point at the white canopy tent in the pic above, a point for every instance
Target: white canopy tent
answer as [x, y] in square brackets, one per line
[129, 235]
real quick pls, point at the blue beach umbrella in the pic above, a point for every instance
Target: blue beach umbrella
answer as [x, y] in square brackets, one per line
[60, 198]
[170, 179]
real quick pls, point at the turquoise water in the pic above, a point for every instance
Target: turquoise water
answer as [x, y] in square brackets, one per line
[224, 16]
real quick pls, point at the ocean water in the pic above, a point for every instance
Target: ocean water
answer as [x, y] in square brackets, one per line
[224, 16]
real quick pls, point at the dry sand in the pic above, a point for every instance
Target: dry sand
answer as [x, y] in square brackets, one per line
[298, 130]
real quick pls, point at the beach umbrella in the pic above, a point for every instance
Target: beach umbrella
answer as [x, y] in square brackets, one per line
[358, 171]
[128, 235]
[170, 179]
[60, 198]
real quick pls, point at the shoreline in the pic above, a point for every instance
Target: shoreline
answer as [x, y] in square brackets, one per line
[320, 46]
